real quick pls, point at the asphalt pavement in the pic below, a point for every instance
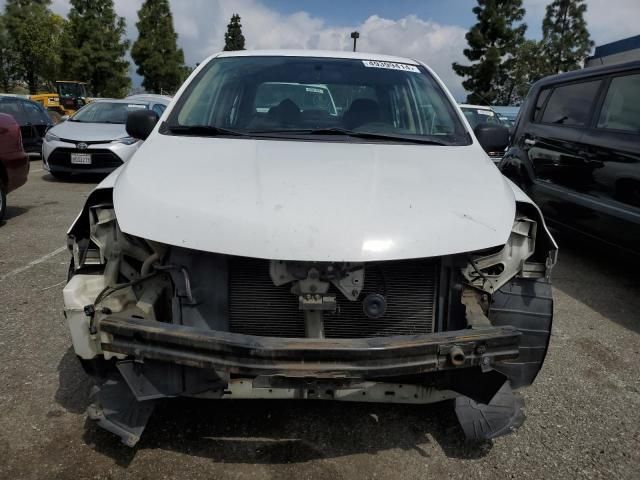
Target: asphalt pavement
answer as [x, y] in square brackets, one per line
[583, 412]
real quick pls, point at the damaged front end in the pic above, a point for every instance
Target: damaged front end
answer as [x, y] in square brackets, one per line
[151, 320]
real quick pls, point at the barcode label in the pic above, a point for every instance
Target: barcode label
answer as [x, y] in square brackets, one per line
[390, 65]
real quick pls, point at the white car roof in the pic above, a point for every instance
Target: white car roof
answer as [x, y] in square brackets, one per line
[479, 107]
[150, 97]
[315, 54]
[141, 101]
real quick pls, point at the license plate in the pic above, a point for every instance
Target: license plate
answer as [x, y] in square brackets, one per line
[81, 158]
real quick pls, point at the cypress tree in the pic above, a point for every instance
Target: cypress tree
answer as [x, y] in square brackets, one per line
[565, 37]
[160, 62]
[233, 38]
[493, 42]
[94, 48]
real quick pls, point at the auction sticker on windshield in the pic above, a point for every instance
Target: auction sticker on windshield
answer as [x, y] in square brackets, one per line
[390, 65]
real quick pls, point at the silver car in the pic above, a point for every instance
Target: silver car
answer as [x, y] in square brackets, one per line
[94, 140]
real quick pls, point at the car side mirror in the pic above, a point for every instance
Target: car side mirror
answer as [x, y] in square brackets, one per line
[141, 123]
[492, 138]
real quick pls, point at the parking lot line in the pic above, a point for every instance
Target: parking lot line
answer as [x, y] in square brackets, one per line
[33, 263]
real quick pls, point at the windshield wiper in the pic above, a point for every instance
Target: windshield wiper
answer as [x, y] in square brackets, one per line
[205, 130]
[355, 134]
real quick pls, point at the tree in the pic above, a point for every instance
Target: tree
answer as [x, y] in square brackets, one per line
[32, 41]
[528, 66]
[160, 62]
[233, 38]
[565, 37]
[94, 48]
[493, 42]
[6, 59]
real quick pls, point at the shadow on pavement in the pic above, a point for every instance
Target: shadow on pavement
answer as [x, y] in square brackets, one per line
[74, 178]
[13, 212]
[600, 276]
[74, 385]
[283, 432]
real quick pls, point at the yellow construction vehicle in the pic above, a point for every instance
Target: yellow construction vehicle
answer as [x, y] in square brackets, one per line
[69, 97]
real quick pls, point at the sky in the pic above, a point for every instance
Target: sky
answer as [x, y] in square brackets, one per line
[429, 30]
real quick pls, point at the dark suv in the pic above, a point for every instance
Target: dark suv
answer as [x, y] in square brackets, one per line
[576, 152]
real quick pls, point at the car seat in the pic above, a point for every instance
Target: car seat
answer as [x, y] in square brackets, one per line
[361, 111]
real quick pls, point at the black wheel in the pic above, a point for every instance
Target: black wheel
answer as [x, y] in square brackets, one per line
[3, 200]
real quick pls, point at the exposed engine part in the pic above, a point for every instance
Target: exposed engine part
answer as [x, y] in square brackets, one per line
[314, 323]
[317, 302]
[457, 356]
[476, 305]
[185, 278]
[374, 305]
[348, 278]
[259, 307]
[311, 283]
[491, 272]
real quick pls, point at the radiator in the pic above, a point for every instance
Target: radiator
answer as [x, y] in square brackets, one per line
[258, 307]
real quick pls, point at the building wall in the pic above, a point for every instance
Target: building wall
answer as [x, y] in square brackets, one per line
[621, 57]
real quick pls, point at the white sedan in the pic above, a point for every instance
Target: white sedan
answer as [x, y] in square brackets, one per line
[95, 140]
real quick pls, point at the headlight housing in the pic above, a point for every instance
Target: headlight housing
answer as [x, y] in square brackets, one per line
[126, 140]
[530, 252]
[51, 137]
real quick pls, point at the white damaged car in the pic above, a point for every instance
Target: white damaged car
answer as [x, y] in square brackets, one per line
[359, 249]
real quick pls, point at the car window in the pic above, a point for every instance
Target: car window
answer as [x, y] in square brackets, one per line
[621, 108]
[13, 108]
[280, 94]
[571, 104]
[542, 97]
[159, 108]
[106, 112]
[476, 116]
[307, 97]
[34, 114]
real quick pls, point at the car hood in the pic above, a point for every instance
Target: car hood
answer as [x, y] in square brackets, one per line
[89, 132]
[313, 201]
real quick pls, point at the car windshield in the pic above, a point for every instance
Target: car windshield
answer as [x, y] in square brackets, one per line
[476, 116]
[291, 96]
[106, 112]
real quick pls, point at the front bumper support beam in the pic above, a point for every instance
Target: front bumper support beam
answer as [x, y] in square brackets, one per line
[302, 357]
